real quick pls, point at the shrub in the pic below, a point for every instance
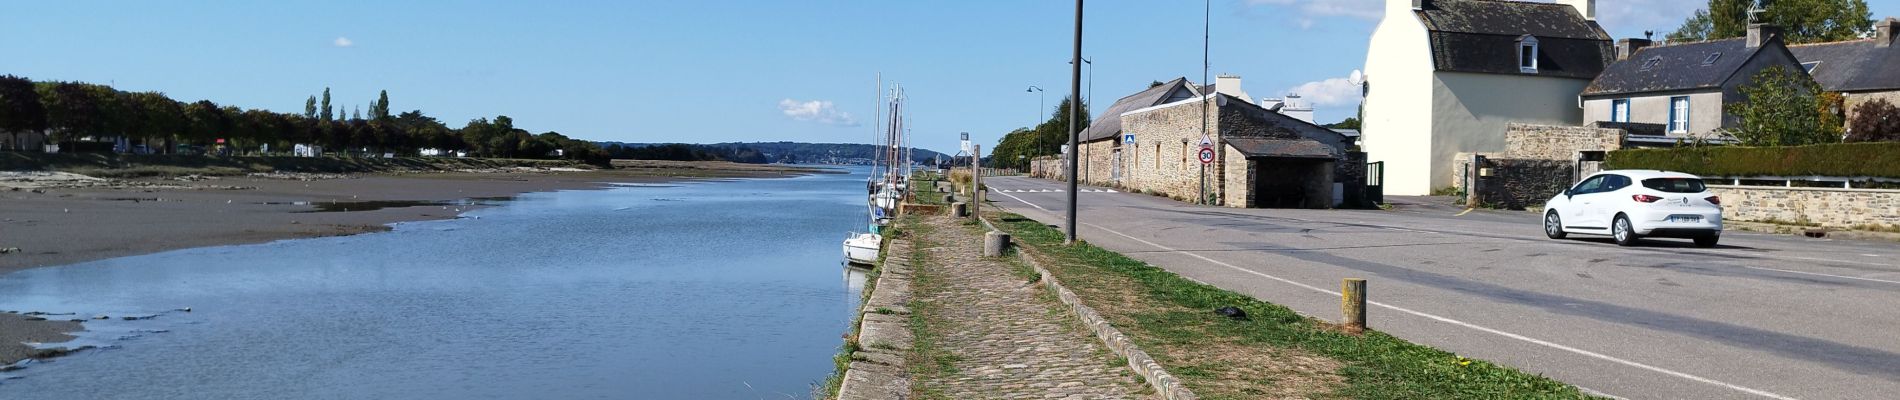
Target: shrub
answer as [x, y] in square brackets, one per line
[1780, 107]
[1875, 121]
[1880, 159]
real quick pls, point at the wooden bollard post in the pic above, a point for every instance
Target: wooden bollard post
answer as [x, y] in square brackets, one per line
[995, 243]
[1352, 302]
[959, 209]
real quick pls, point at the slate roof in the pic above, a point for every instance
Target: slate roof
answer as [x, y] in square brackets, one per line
[1852, 66]
[1481, 36]
[1108, 124]
[1674, 67]
[1289, 148]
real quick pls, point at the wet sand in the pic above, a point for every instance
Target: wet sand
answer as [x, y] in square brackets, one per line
[16, 329]
[52, 226]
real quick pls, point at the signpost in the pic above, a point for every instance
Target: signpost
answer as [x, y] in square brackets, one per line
[1207, 155]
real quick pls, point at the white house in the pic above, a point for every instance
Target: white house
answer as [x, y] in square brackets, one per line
[1448, 76]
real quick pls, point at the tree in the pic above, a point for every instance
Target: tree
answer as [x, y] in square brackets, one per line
[358, 115]
[20, 108]
[1782, 107]
[160, 118]
[310, 107]
[71, 110]
[1349, 123]
[327, 113]
[1875, 121]
[206, 121]
[380, 108]
[1802, 21]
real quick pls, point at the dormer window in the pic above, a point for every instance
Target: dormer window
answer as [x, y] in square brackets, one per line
[1711, 59]
[1527, 54]
[1651, 63]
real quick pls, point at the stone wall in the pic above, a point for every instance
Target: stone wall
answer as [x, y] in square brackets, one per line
[1545, 142]
[1853, 100]
[1834, 208]
[1520, 183]
[1051, 168]
[1165, 141]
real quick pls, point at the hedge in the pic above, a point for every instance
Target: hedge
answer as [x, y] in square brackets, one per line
[1880, 159]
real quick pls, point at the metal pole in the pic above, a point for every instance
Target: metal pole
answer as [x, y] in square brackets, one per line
[1075, 96]
[1206, 22]
[976, 180]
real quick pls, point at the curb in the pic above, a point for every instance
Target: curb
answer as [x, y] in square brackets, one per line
[1164, 383]
[877, 370]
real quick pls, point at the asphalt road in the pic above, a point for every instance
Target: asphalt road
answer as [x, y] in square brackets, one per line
[1761, 316]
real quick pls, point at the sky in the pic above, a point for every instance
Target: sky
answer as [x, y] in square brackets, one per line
[708, 71]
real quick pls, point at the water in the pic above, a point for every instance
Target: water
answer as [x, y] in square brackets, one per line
[716, 290]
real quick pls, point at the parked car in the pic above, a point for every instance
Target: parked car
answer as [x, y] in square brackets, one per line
[1632, 204]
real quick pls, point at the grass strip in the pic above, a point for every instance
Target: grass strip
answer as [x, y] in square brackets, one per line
[1272, 352]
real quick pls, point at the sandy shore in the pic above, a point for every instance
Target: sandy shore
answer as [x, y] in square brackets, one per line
[52, 222]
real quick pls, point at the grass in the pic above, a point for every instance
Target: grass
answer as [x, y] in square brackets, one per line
[927, 358]
[1277, 352]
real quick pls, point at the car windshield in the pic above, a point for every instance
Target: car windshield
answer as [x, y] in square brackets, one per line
[1675, 185]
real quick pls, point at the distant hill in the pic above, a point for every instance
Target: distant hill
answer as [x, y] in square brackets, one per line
[760, 152]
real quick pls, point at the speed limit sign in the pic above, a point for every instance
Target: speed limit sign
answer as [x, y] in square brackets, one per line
[1207, 155]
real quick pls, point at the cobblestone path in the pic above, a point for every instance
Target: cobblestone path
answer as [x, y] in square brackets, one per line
[1010, 339]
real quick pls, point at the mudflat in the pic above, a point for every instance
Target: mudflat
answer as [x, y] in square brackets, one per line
[17, 329]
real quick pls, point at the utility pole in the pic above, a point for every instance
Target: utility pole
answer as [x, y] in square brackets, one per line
[976, 180]
[1075, 96]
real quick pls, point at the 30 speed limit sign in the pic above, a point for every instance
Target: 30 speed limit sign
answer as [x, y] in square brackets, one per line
[1207, 155]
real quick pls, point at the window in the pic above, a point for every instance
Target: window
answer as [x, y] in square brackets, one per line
[1711, 59]
[1679, 114]
[1651, 63]
[1613, 183]
[1589, 186]
[1620, 110]
[1675, 185]
[1527, 54]
[1809, 66]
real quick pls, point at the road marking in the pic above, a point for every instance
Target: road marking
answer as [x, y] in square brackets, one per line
[1461, 323]
[1467, 211]
[1023, 201]
[1821, 274]
[1467, 325]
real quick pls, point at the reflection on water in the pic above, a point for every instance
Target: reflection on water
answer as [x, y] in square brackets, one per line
[704, 290]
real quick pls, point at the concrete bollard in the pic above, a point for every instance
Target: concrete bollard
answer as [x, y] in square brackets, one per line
[1352, 302]
[959, 209]
[995, 243]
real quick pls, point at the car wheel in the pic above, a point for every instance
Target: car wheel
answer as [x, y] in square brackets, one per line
[1708, 240]
[1624, 233]
[1553, 225]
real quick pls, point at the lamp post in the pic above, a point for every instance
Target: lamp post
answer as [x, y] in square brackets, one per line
[1039, 100]
[1075, 93]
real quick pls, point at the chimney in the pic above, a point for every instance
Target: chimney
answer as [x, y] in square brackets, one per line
[1883, 36]
[1760, 34]
[1627, 47]
[1586, 7]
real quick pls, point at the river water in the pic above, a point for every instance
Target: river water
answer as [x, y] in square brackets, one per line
[702, 290]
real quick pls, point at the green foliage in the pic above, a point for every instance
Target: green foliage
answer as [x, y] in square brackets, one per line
[327, 113]
[1802, 21]
[1880, 159]
[1782, 107]
[1018, 147]
[1875, 121]
[1377, 365]
[20, 106]
[1349, 123]
[380, 108]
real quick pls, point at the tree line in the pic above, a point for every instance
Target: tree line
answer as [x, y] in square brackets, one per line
[1020, 146]
[71, 111]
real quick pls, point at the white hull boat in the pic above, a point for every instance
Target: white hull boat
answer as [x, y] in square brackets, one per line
[862, 248]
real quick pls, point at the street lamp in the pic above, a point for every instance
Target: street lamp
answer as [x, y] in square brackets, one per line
[1039, 102]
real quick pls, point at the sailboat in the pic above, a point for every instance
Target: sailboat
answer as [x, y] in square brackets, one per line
[885, 186]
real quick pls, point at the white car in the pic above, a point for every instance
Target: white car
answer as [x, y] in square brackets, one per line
[1632, 204]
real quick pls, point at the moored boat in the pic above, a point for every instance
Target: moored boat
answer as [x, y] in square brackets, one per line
[862, 248]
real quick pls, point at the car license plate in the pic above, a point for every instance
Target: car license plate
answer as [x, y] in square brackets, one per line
[1685, 218]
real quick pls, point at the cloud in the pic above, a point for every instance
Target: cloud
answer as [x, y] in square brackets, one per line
[1363, 9]
[1328, 92]
[820, 111]
[343, 42]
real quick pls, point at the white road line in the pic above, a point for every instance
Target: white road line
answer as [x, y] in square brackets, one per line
[1023, 201]
[1467, 325]
[1578, 351]
[1821, 274]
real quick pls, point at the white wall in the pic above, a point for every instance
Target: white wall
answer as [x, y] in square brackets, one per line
[1397, 129]
[1471, 112]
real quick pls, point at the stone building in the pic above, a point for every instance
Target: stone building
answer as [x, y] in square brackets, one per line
[1262, 158]
[1861, 70]
[1684, 87]
[1448, 76]
[1103, 140]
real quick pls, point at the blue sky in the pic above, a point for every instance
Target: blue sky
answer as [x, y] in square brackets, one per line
[708, 71]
